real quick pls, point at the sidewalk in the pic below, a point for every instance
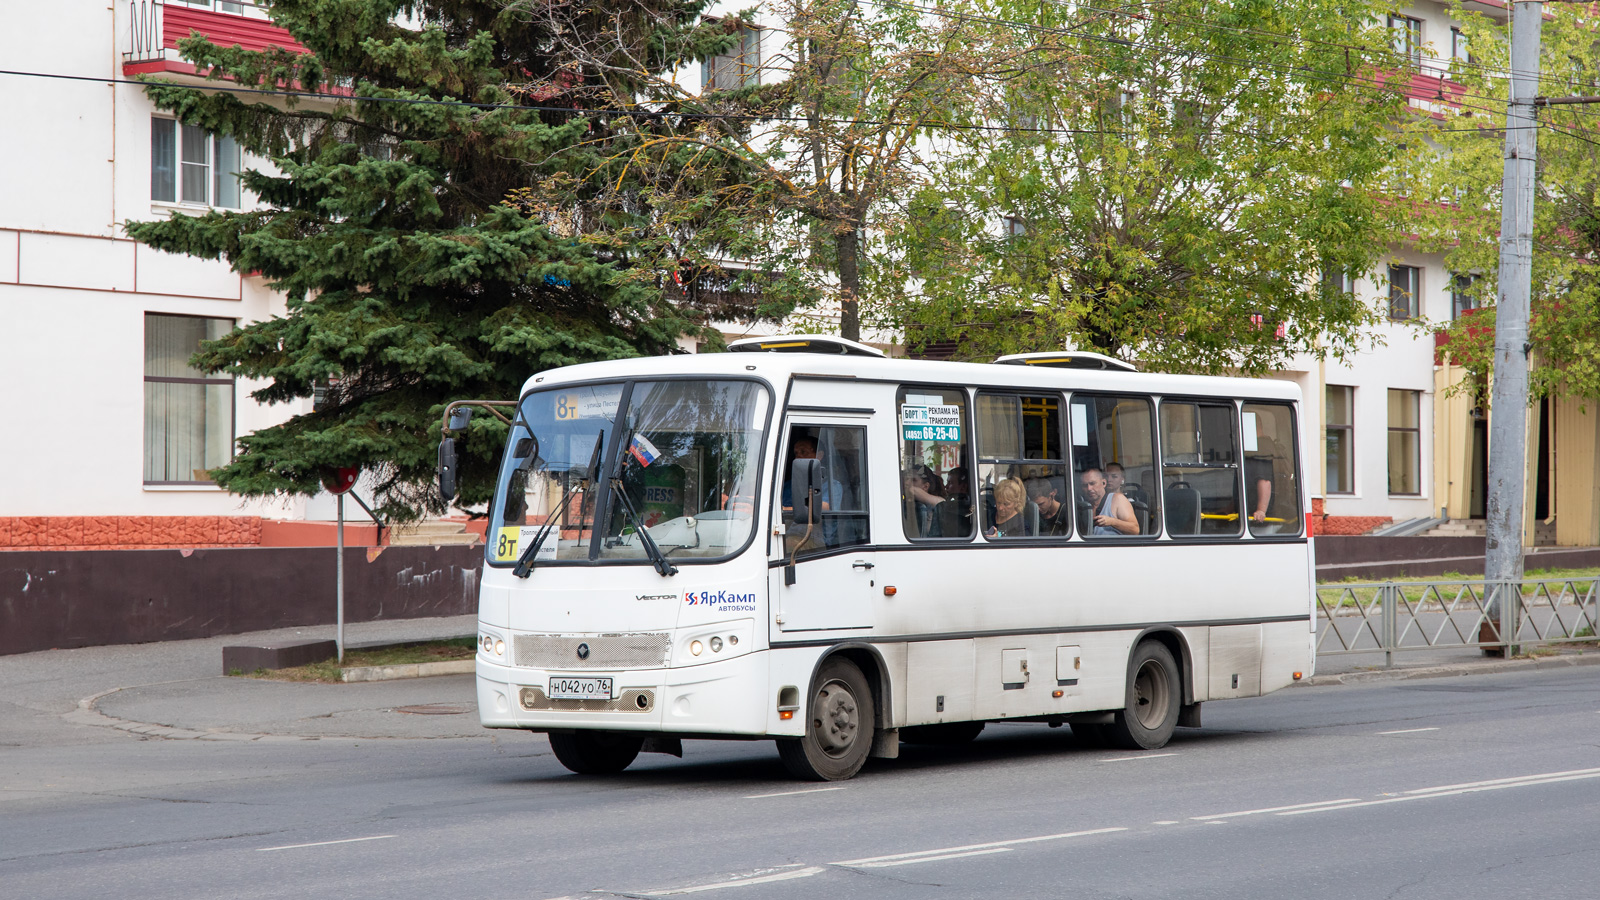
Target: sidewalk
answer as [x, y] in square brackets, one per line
[175, 690]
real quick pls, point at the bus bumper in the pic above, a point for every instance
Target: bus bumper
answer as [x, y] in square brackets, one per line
[724, 697]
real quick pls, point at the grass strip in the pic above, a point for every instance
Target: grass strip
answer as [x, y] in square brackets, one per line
[330, 671]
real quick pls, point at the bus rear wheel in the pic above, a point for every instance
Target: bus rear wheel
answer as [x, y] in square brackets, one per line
[839, 726]
[1153, 699]
[596, 752]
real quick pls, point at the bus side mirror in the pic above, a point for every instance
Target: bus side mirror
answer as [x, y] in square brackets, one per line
[805, 484]
[447, 469]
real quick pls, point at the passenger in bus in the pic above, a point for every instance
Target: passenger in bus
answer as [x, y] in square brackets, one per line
[1114, 478]
[1055, 519]
[1010, 502]
[805, 447]
[925, 492]
[1112, 513]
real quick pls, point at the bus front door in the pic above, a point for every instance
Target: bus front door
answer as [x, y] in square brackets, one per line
[832, 574]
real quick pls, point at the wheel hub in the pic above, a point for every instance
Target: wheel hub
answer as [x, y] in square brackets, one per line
[836, 722]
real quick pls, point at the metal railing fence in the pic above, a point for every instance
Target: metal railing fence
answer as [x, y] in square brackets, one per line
[1398, 616]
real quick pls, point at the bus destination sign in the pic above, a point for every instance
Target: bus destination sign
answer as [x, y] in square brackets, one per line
[930, 423]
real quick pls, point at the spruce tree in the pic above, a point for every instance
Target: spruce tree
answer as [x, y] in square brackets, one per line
[411, 281]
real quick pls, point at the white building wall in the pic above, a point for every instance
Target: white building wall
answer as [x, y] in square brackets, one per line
[74, 290]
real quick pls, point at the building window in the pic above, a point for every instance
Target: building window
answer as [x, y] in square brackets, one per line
[738, 68]
[1458, 47]
[1405, 284]
[1340, 414]
[1336, 281]
[1405, 34]
[190, 165]
[1405, 442]
[188, 417]
[237, 7]
[1015, 227]
[1464, 294]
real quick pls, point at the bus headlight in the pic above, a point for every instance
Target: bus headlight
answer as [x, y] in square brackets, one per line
[716, 645]
[694, 648]
[492, 645]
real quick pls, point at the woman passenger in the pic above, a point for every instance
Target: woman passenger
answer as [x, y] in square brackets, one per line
[1010, 499]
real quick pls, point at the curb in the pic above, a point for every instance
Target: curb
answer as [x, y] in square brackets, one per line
[412, 670]
[1446, 671]
[87, 714]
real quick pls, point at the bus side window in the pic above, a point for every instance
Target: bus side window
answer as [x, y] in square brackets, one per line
[1113, 453]
[1271, 492]
[841, 514]
[935, 474]
[1200, 468]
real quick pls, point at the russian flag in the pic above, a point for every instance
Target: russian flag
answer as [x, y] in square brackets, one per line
[642, 450]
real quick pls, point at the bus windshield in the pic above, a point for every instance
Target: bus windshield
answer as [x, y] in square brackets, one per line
[680, 463]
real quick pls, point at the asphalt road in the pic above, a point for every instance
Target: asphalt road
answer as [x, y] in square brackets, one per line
[1479, 786]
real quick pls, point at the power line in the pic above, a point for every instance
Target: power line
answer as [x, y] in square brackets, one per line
[617, 112]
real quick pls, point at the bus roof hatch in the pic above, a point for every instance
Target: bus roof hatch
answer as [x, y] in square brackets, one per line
[1068, 359]
[804, 343]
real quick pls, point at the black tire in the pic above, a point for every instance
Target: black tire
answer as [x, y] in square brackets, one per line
[1154, 696]
[943, 734]
[596, 752]
[840, 721]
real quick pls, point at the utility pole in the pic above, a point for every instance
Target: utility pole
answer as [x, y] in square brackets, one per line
[1508, 423]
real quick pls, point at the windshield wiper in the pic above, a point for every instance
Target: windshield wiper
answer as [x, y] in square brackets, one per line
[657, 558]
[526, 561]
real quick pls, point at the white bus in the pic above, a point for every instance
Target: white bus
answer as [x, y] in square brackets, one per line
[840, 551]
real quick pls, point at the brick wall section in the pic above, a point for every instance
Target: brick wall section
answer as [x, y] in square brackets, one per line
[127, 532]
[1350, 525]
[1319, 522]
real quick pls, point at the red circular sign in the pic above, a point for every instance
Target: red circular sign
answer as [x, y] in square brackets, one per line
[341, 480]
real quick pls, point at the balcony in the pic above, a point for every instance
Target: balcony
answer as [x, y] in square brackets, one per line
[156, 27]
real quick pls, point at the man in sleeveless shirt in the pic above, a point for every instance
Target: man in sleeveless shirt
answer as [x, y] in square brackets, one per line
[1112, 513]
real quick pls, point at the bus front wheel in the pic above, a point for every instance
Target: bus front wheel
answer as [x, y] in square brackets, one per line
[596, 752]
[839, 726]
[1153, 699]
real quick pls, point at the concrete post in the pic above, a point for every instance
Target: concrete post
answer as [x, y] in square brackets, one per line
[1508, 443]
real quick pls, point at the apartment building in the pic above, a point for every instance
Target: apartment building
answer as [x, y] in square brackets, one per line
[114, 430]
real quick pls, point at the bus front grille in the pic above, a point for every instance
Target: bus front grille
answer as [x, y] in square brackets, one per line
[599, 651]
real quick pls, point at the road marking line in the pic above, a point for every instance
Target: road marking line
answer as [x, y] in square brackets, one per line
[1137, 756]
[1429, 795]
[1407, 731]
[1027, 840]
[807, 872]
[376, 837]
[1166, 822]
[1272, 809]
[1518, 778]
[923, 859]
[792, 793]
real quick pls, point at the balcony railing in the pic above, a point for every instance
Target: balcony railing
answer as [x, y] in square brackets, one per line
[156, 27]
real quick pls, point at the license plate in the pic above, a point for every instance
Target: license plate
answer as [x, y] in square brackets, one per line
[580, 688]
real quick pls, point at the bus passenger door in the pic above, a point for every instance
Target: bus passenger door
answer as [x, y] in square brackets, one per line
[831, 554]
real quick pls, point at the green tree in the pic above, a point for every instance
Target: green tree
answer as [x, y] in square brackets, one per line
[411, 278]
[787, 157]
[1461, 208]
[1169, 189]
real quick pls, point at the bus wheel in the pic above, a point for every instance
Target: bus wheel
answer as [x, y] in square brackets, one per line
[946, 733]
[596, 752]
[840, 727]
[1154, 696]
